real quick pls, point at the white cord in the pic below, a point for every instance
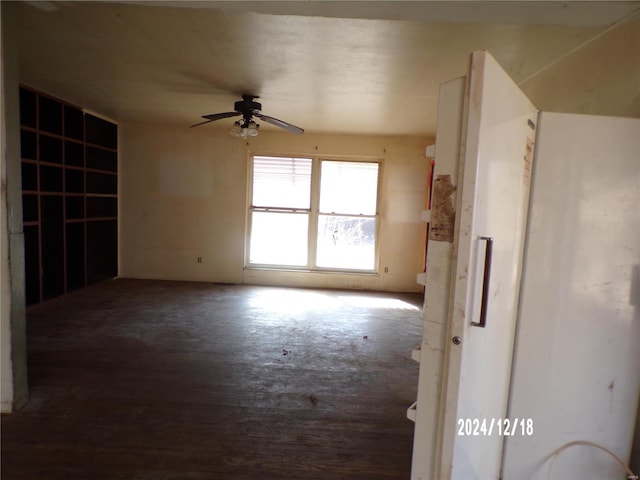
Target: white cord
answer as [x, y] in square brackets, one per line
[554, 455]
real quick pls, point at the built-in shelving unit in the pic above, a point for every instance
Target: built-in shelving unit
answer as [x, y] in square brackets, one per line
[416, 354]
[412, 411]
[69, 196]
[421, 277]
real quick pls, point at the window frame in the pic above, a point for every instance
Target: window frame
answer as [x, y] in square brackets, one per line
[313, 214]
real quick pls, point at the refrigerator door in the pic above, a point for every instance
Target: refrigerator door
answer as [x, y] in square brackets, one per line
[493, 193]
[577, 363]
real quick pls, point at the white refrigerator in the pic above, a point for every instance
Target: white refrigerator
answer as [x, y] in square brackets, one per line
[530, 358]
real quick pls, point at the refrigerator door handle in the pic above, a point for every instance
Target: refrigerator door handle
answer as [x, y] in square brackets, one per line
[488, 254]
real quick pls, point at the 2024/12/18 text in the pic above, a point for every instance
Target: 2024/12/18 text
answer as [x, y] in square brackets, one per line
[486, 427]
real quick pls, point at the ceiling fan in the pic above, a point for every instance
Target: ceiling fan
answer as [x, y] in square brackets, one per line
[247, 127]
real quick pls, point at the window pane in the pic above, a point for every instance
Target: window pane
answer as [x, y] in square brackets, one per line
[281, 182]
[279, 238]
[346, 242]
[348, 187]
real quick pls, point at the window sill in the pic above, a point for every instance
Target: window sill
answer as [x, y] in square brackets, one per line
[360, 273]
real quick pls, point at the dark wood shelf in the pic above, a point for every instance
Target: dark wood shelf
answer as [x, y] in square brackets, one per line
[29, 144]
[100, 132]
[49, 115]
[101, 147]
[101, 219]
[70, 196]
[73, 123]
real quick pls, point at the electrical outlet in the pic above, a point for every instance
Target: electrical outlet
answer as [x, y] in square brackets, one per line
[199, 259]
[386, 269]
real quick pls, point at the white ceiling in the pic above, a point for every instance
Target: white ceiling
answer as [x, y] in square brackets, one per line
[327, 66]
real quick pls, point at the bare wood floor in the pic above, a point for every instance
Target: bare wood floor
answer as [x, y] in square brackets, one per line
[138, 380]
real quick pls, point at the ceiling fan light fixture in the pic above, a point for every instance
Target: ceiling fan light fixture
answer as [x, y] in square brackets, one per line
[236, 131]
[252, 130]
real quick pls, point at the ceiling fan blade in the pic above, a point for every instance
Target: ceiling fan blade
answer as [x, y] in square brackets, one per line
[279, 123]
[218, 116]
[215, 116]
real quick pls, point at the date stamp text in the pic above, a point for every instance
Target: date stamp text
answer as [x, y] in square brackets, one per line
[502, 427]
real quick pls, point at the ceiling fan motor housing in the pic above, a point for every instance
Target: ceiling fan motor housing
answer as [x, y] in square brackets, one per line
[247, 105]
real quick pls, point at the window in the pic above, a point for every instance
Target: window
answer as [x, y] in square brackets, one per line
[280, 208]
[311, 213]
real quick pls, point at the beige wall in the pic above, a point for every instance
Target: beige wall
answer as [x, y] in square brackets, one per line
[183, 195]
[602, 77]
